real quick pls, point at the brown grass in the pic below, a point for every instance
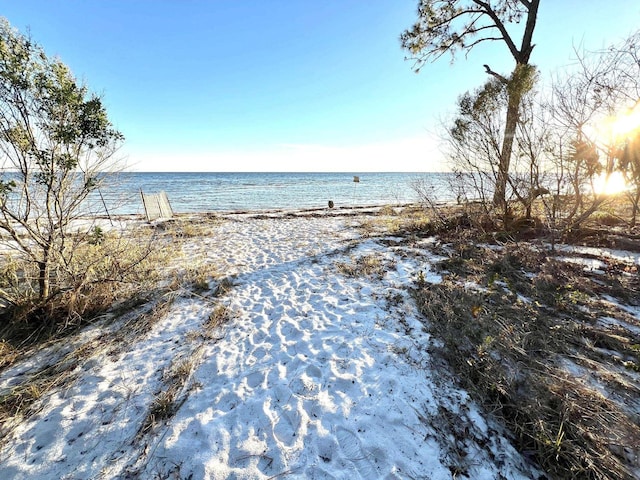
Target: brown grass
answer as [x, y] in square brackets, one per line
[143, 277]
[96, 276]
[365, 265]
[511, 353]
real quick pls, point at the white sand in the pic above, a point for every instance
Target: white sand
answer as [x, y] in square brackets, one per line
[318, 375]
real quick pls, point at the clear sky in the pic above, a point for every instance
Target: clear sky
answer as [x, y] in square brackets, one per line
[283, 85]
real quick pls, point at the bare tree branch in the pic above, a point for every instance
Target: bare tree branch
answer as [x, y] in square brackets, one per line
[497, 75]
[500, 26]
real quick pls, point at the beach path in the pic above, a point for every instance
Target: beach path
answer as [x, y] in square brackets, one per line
[322, 372]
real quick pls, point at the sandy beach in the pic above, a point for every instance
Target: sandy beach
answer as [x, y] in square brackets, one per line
[320, 371]
[246, 241]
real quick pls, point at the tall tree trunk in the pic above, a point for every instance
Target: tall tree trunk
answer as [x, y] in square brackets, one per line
[513, 111]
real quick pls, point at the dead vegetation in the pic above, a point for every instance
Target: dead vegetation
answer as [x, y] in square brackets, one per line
[523, 331]
[168, 400]
[116, 273]
[365, 265]
[547, 339]
[22, 399]
[113, 272]
[177, 380]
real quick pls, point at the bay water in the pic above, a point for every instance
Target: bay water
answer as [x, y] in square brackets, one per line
[210, 192]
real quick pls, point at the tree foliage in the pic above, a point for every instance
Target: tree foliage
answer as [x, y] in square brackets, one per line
[449, 26]
[55, 140]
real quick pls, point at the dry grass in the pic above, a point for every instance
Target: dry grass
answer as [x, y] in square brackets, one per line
[168, 400]
[365, 265]
[8, 354]
[97, 276]
[23, 400]
[219, 316]
[389, 221]
[510, 342]
[223, 287]
[115, 274]
[194, 278]
[388, 210]
[127, 283]
[142, 277]
[176, 378]
[186, 227]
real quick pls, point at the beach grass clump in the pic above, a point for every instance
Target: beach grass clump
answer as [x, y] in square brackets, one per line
[409, 220]
[388, 210]
[184, 227]
[223, 286]
[8, 354]
[195, 278]
[168, 400]
[218, 316]
[365, 265]
[516, 340]
[22, 400]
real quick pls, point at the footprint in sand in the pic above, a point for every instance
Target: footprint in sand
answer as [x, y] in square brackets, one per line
[314, 372]
[289, 332]
[287, 425]
[227, 402]
[261, 353]
[305, 387]
[349, 444]
[316, 473]
[327, 448]
[352, 451]
[256, 379]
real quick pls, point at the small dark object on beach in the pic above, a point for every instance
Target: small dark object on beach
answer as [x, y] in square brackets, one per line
[330, 203]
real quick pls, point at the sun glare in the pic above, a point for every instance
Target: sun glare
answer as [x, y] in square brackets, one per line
[612, 185]
[615, 129]
[626, 123]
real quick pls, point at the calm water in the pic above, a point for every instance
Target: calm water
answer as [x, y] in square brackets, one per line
[206, 192]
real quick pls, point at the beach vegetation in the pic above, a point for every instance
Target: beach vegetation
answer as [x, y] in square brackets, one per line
[587, 132]
[167, 401]
[388, 210]
[61, 266]
[530, 158]
[56, 141]
[220, 315]
[184, 227]
[114, 274]
[516, 339]
[365, 265]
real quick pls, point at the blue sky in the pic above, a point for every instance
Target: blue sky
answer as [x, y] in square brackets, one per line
[275, 85]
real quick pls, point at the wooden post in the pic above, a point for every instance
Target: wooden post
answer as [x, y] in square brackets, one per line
[356, 181]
